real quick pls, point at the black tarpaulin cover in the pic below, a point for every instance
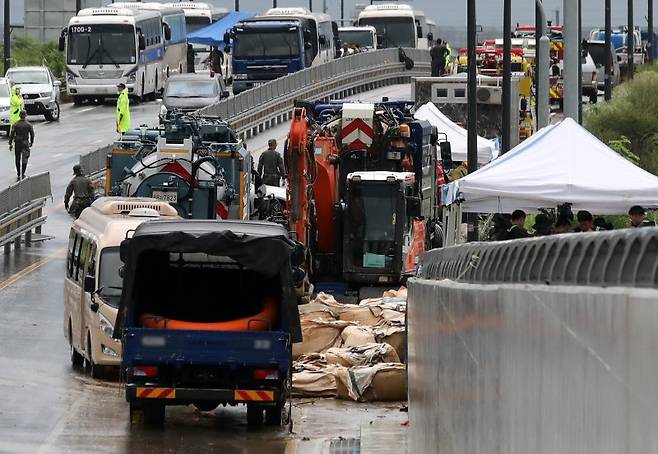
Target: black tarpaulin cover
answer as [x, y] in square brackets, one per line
[261, 247]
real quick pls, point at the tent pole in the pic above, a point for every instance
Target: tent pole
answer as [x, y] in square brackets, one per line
[472, 153]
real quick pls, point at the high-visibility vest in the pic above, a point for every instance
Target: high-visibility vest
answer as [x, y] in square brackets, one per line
[123, 111]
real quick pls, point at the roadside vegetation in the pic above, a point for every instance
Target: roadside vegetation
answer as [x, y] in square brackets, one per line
[629, 122]
[26, 51]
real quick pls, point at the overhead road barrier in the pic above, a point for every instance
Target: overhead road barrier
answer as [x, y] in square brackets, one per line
[21, 210]
[258, 109]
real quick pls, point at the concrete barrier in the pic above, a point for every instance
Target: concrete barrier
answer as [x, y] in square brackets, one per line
[519, 368]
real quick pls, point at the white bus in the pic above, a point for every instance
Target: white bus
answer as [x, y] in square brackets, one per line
[92, 283]
[398, 25]
[280, 42]
[106, 46]
[174, 60]
[198, 16]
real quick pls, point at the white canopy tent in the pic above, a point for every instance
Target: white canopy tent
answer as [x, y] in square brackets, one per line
[457, 136]
[561, 163]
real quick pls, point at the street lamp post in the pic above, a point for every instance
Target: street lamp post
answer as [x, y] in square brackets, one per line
[630, 41]
[472, 155]
[608, 51]
[650, 30]
[507, 75]
[7, 38]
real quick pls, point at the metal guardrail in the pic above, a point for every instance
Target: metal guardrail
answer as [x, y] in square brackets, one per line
[258, 109]
[21, 209]
[626, 257]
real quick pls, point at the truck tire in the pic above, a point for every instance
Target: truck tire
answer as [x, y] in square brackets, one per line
[154, 414]
[254, 415]
[205, 405]
[273, 415]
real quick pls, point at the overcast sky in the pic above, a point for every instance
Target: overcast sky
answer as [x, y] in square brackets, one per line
[448, 12]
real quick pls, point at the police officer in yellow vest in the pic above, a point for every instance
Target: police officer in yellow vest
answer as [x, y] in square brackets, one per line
[123, 109]
[16, 105]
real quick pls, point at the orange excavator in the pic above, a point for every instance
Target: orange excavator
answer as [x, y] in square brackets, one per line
[362, 192]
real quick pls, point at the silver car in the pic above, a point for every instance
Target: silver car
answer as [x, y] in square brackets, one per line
[597, 51]
[189, 92]
[39, 88]
[589, 80]
[5, 95]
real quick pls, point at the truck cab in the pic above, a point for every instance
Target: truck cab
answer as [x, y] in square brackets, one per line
[208, 315]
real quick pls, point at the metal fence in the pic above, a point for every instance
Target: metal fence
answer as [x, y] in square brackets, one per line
[21, 206]
[96, 161]
[626, 257]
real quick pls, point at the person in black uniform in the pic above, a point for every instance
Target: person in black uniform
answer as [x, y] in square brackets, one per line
[517, 230]
[22, 138]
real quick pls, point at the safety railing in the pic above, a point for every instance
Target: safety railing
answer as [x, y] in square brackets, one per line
[21, 209]
[627, 257]
[95, 162]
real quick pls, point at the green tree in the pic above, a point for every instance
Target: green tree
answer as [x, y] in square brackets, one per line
[629, 122]
[25, 51]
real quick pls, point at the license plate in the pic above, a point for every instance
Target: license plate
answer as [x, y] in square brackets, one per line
[166, 196]
[257, 84]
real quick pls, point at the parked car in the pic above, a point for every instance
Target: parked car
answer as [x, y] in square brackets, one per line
[39, 88]
[190, 92]
[5, 95]
[590, 84]
[596, 49]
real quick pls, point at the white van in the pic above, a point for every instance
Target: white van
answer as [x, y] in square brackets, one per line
[92, 284]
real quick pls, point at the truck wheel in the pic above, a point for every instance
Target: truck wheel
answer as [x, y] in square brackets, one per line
[593, 98]
[205, 405]
[273, 415]
[154, 414]
[254, 415]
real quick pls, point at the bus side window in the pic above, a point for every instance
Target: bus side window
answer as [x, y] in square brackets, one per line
[82, 261]
[91, 264]
[75, 257]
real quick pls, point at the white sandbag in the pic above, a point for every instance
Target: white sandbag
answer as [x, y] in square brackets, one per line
[357, 335]
[318, 336]
[381, 382]
[364, 355]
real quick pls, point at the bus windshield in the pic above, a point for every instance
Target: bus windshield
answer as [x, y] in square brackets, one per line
[108, 276]
[267, 44]
[101, 44]
[194, 23]
[361, 38]
[372, 218]
[395, 31]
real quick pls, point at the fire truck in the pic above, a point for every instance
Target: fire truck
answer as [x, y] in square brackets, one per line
[362, 192]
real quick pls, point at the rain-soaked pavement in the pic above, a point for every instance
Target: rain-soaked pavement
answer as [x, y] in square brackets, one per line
[49, 407]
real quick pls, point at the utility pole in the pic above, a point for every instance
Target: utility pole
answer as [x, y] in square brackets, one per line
[650, 50]
[274, 4]
[472, 152]
[543, 58]
[78, 6]
[7, 38]
[310, 5]
[324, 6]
[540, 22]
[580, 64]
[237, 5]
[571, 95]
[630, 41]
[342, 11]
[607, 51]
[507, 75]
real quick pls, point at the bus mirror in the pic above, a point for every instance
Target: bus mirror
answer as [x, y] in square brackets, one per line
[419, 32]
[142, 42]
[322, 40]
[167, 31]
[61, 43]
[307, 46]
[90, 283]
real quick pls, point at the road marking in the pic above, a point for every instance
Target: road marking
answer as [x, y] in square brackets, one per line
[57, 155]
[35, 266]
[86, 109]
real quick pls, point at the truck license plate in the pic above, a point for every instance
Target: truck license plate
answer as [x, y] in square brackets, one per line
[166, 196]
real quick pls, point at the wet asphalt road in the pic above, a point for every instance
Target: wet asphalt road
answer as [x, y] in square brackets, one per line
[47, 406]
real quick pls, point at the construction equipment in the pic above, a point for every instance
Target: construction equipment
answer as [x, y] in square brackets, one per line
[362, 192]
[196, 163]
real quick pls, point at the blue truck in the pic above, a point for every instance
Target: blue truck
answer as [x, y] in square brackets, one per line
[278, 43]
[208, 315]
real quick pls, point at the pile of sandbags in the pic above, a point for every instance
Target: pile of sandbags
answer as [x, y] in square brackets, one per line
[352, 351]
